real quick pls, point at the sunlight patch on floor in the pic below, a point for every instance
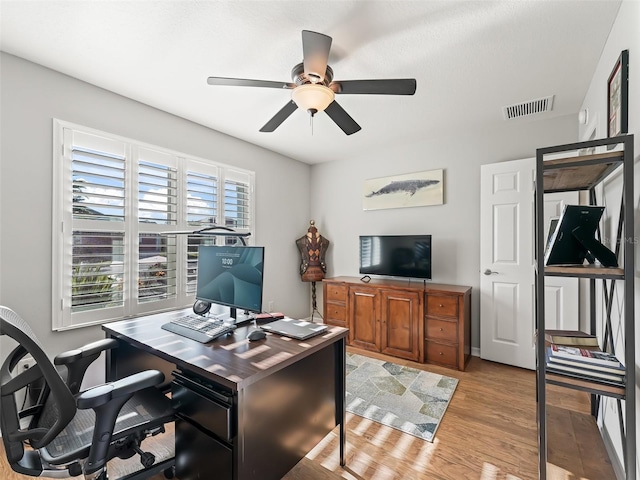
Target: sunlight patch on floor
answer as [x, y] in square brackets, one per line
[379, 439]
[554, 472]
[363, 464]
[403, 446]
[423, 458]
[363, 426]
[489, 472]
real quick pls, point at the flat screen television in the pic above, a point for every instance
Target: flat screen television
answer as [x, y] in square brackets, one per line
[574, 238]
[231, 276]
[396, 255]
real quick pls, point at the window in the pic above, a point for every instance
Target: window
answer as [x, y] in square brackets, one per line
[118, 203]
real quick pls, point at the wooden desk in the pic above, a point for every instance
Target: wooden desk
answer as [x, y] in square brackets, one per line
[245, 409]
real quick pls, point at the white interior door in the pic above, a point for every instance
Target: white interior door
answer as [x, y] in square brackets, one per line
[561, 297]
[507, 331]
[506, 262]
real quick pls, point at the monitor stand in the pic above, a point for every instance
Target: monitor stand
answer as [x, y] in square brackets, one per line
[240, 318]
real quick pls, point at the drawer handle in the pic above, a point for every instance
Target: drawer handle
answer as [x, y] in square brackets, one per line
[441, 305]
[441, 329]
[441, 353]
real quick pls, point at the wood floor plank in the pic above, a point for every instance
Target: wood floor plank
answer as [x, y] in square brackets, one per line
[489, 432]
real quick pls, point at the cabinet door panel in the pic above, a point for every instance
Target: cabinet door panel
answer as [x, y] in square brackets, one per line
[400, 317]
[364, 331]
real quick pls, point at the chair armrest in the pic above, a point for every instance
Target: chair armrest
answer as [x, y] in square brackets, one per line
[102, 394]
[90, 349]
[78, 360]
[107, 401]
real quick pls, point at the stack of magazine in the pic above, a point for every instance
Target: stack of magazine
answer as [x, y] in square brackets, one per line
[585, 364]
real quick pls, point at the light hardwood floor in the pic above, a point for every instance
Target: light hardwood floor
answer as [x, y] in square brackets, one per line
[488, 433]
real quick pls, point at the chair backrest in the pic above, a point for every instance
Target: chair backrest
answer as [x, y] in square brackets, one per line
[56, 406]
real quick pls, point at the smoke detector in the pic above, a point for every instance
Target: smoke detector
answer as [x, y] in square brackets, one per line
[528, 108]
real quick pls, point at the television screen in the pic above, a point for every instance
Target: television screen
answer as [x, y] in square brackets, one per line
[231, 276]
[396, 255]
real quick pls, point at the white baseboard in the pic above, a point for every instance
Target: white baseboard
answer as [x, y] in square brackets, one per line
[475, 351]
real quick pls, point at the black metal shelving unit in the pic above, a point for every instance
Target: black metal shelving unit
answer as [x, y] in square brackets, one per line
[580, 171]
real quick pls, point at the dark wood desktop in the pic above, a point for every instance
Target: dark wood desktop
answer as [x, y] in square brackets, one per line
[245, 409]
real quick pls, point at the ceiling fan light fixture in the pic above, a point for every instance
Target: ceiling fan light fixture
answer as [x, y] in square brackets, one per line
[311, 96]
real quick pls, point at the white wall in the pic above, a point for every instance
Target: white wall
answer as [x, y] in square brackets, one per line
[625, 35]
[31, 96]
[336, 198]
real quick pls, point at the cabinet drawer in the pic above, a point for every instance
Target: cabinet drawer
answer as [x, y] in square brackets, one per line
[441, 330]
[336, 293]
[442, 305]
[336, 314]
[197, 453]
[202, 410]
[441, 354]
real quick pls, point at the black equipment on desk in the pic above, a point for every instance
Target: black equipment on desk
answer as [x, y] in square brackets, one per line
[231, 276]
[200, 329]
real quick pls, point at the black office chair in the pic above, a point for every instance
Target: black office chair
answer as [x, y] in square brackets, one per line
[52, 429]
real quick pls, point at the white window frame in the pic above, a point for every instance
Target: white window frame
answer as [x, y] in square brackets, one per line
[64, 224]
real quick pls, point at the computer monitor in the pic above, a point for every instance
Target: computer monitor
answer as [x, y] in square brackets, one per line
[574, 239]
[231, 276]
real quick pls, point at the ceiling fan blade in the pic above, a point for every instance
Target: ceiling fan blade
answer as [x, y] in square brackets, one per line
[280, 117]
[398, 86]
[342, 118]
[245, 82]
[315, 52]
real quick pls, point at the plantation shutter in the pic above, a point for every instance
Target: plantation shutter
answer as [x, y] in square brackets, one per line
[119, 208]
[95, 259]
[202, 212]
[237, 208]
[157, 207]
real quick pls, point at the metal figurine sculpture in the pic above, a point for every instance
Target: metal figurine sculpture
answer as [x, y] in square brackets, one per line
[312, 247]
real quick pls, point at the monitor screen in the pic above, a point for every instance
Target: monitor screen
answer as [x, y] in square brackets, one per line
[573, 239]
[396, 255]
[231, 276]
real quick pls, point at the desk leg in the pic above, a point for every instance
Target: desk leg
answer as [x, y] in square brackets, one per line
[341, 387]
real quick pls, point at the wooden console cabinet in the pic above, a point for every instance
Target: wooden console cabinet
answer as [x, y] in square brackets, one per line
[428, 323]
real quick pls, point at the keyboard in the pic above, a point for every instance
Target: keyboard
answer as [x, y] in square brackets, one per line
[200, 329]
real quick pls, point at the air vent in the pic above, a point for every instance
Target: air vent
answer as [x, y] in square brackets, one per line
[528, 108]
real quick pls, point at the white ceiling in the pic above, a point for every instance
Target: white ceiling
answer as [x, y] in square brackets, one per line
[469, 58]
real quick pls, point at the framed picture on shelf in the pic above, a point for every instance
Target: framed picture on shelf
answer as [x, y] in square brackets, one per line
[618, 97]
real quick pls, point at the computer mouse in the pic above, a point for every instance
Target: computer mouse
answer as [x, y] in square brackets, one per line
[255, 335]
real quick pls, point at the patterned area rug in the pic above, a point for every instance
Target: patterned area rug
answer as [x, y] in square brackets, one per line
[404, 398]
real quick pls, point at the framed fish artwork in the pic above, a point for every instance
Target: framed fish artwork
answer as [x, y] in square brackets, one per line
[409, 190]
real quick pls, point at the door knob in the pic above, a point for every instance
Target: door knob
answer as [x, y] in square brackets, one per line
[489, 272]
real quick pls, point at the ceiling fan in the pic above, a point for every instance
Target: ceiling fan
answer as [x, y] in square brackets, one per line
[313, 88]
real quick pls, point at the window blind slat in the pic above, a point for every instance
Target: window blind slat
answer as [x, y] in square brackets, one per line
[157, 270]
[96, 270]
[157, 193]
[202, 204]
